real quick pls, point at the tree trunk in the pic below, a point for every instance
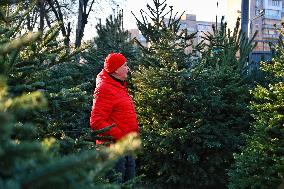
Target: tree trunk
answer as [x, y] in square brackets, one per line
[41, 15]
[80, 23]
[83, 14]
[59, 16]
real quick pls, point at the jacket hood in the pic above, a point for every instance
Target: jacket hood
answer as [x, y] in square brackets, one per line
[103, 76]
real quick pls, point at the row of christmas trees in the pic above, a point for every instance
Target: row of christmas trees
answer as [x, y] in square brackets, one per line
[205, 122]
[202, 118]
[44, 108]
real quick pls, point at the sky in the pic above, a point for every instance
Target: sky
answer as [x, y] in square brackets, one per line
[205, 10]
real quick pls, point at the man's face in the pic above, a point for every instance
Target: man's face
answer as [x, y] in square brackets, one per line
[122, 71]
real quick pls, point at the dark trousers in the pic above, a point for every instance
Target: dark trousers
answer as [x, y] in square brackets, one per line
[125, 166]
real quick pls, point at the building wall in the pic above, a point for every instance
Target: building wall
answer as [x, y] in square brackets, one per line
[264, 24]
[135, 33]
[203, 27]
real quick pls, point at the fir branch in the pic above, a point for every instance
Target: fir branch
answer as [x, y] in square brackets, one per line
[18, 43]
[68, 163]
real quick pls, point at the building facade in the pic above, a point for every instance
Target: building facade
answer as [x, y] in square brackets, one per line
[135, 33]
[263, 15]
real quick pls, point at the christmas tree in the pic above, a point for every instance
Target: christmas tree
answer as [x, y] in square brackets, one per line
[192, 113]
[31, 155]
[260, 164]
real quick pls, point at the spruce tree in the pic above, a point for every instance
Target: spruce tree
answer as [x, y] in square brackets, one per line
[220, 99]
[160, 94]
[29, 163]
[226, 47]
[32, 68]
[30, 154]
[163, 36]
[260, 164]
[191, 115]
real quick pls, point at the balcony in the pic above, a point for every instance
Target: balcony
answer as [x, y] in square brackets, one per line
[269, 26]
[270, 36]
[274, 17]
[274, 4]
[272, 14]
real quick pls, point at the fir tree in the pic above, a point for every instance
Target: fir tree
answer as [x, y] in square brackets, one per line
[163, 36]
[191, 116]
[226, 47]
[29, 163]
[31, 158]
[46, 65]
[260, 164]
[160, 94]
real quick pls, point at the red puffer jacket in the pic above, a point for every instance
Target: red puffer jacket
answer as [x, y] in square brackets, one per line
[112, 105]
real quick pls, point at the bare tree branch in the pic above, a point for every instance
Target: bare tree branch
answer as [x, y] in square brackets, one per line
[59, 16]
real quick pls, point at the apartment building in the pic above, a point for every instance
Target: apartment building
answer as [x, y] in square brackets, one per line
[135, 33]
[192, 25]
[264, 14]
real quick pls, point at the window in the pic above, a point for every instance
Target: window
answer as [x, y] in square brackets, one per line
[274, 3]
[204, 27]
[191, 29]
[257, 3]
[183, 26]
[273, 14]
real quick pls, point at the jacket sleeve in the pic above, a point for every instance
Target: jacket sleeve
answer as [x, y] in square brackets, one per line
[103, 104]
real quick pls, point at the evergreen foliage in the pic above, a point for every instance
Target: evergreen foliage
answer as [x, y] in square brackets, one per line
[111, 37]
[163, 36]
[194, 113]
[219, 101]
[69, 93]
[191, 116]
[260, 164]
[46, 65]
[31, 154]
[29, 163]
[160, 94]
[21, 152]
[227, 47]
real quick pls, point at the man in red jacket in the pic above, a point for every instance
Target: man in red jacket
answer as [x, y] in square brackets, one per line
[113, 105]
